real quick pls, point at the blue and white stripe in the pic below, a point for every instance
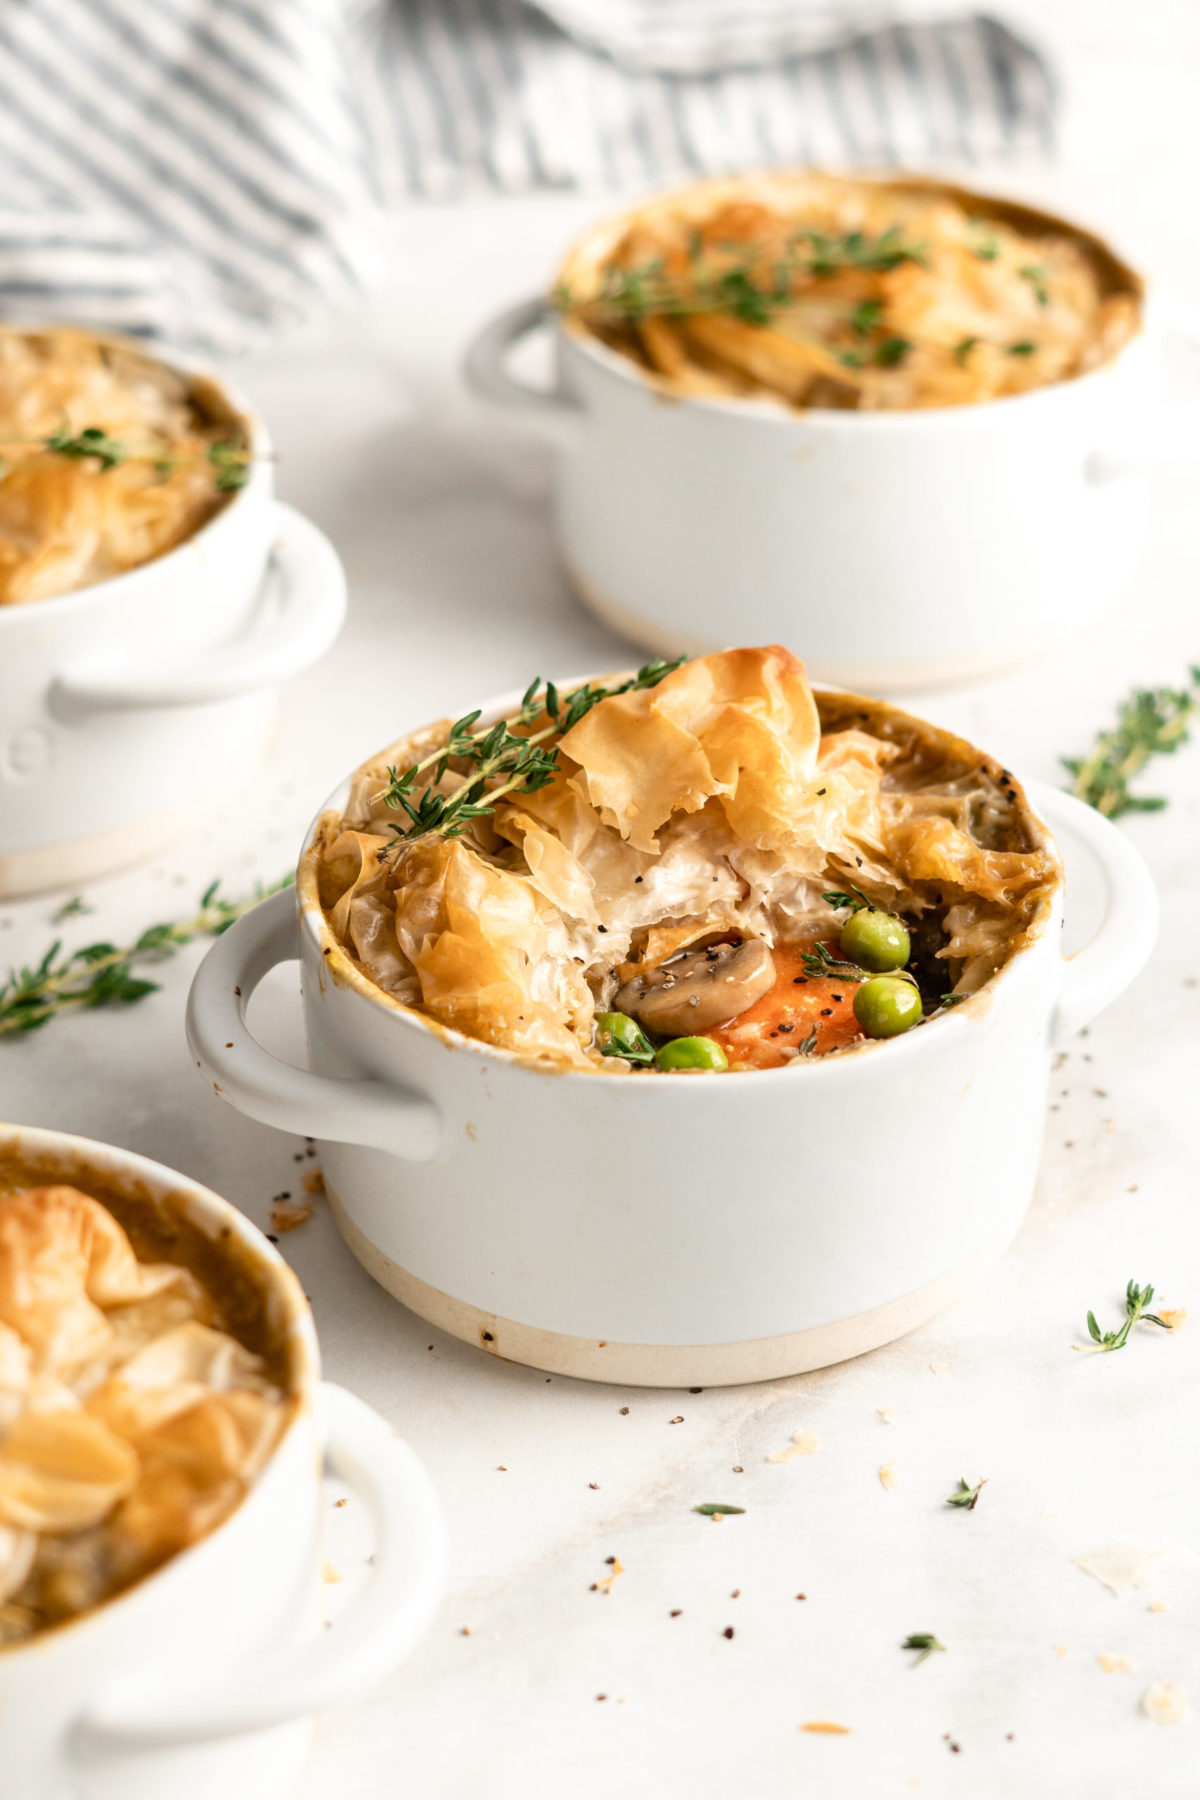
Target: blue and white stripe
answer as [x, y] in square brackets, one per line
[205, 170]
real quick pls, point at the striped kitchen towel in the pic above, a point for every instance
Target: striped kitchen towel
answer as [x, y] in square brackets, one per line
[500, 94]
[206, 171]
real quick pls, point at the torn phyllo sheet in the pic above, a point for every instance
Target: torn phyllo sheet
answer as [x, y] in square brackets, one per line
[703, 865]
[132, 1421]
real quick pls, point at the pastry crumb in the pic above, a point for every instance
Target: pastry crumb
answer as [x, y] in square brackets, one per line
[329, 1574]
[938, 1368]
[1158, 1606]
[826, 1727]
[605, 1584]
[803, 1443]
[887, 1414]
[1165, 1703]
[887, 1475]
[1112, 1665]
[287, 1216]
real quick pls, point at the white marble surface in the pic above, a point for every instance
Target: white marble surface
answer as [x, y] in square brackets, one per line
[443, 523]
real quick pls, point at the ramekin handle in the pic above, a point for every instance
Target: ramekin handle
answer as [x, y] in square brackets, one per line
[361, 1111]
[551, 411]
[305, 622]
[1117, 952]
[375, 1634]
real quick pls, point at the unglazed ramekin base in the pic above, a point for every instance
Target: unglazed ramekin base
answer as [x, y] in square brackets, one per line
[670, 1365]
[71, 862]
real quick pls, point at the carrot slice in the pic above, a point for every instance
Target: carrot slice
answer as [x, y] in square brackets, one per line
[797, 1005]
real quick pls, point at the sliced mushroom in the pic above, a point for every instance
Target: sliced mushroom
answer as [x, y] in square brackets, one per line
[700, 989]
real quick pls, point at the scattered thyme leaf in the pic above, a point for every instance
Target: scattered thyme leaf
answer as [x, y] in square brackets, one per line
[710, 1508]
[1151, 722]
[1025, 348]
[892, 352]
[71, 909]
[102, 974]
[924, 1642]
[963, 349]
[1035, 275]
[865, 317]
[1137, 1305]
[965, 1495]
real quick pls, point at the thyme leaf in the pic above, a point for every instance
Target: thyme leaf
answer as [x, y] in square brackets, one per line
[925, 1642]
[965, 1495]
[1151, 722]
[516, 763]
[71, 909]
[1137, 1303]
[1035, 275]
[1025, 348]
[892, 352]
[710, 1508]
[102, 974]
[865, 317]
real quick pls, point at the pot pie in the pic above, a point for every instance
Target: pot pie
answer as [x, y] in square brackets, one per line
[703, 866]
[108, 459]
[849, 293]
[141, 1392]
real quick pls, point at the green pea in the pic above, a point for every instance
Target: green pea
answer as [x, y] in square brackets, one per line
[885, 1006]
[692, 1053]
[876, 941]
[619, 1035]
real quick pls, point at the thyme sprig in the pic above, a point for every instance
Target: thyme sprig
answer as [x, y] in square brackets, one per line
[818, 962]
[516, 763]
[923, 1641]
[102, 974]
[853, 901]
[1151, 722]
[1137, 1303]
[965, 1495]
[229, 462]
[749, 290]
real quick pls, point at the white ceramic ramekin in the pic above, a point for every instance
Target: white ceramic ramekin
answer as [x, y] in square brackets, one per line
[201, 1681]
[902, 549]
[129, 706]
[682, 1230]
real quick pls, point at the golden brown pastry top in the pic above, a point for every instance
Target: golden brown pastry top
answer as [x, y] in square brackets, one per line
[131, 1420]
[66, 519]
[855, 294]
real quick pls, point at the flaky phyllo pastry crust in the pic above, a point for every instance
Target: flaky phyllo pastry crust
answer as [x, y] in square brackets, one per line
[131, 1423]
[854, 294]
[67, 520]
[728, 799]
